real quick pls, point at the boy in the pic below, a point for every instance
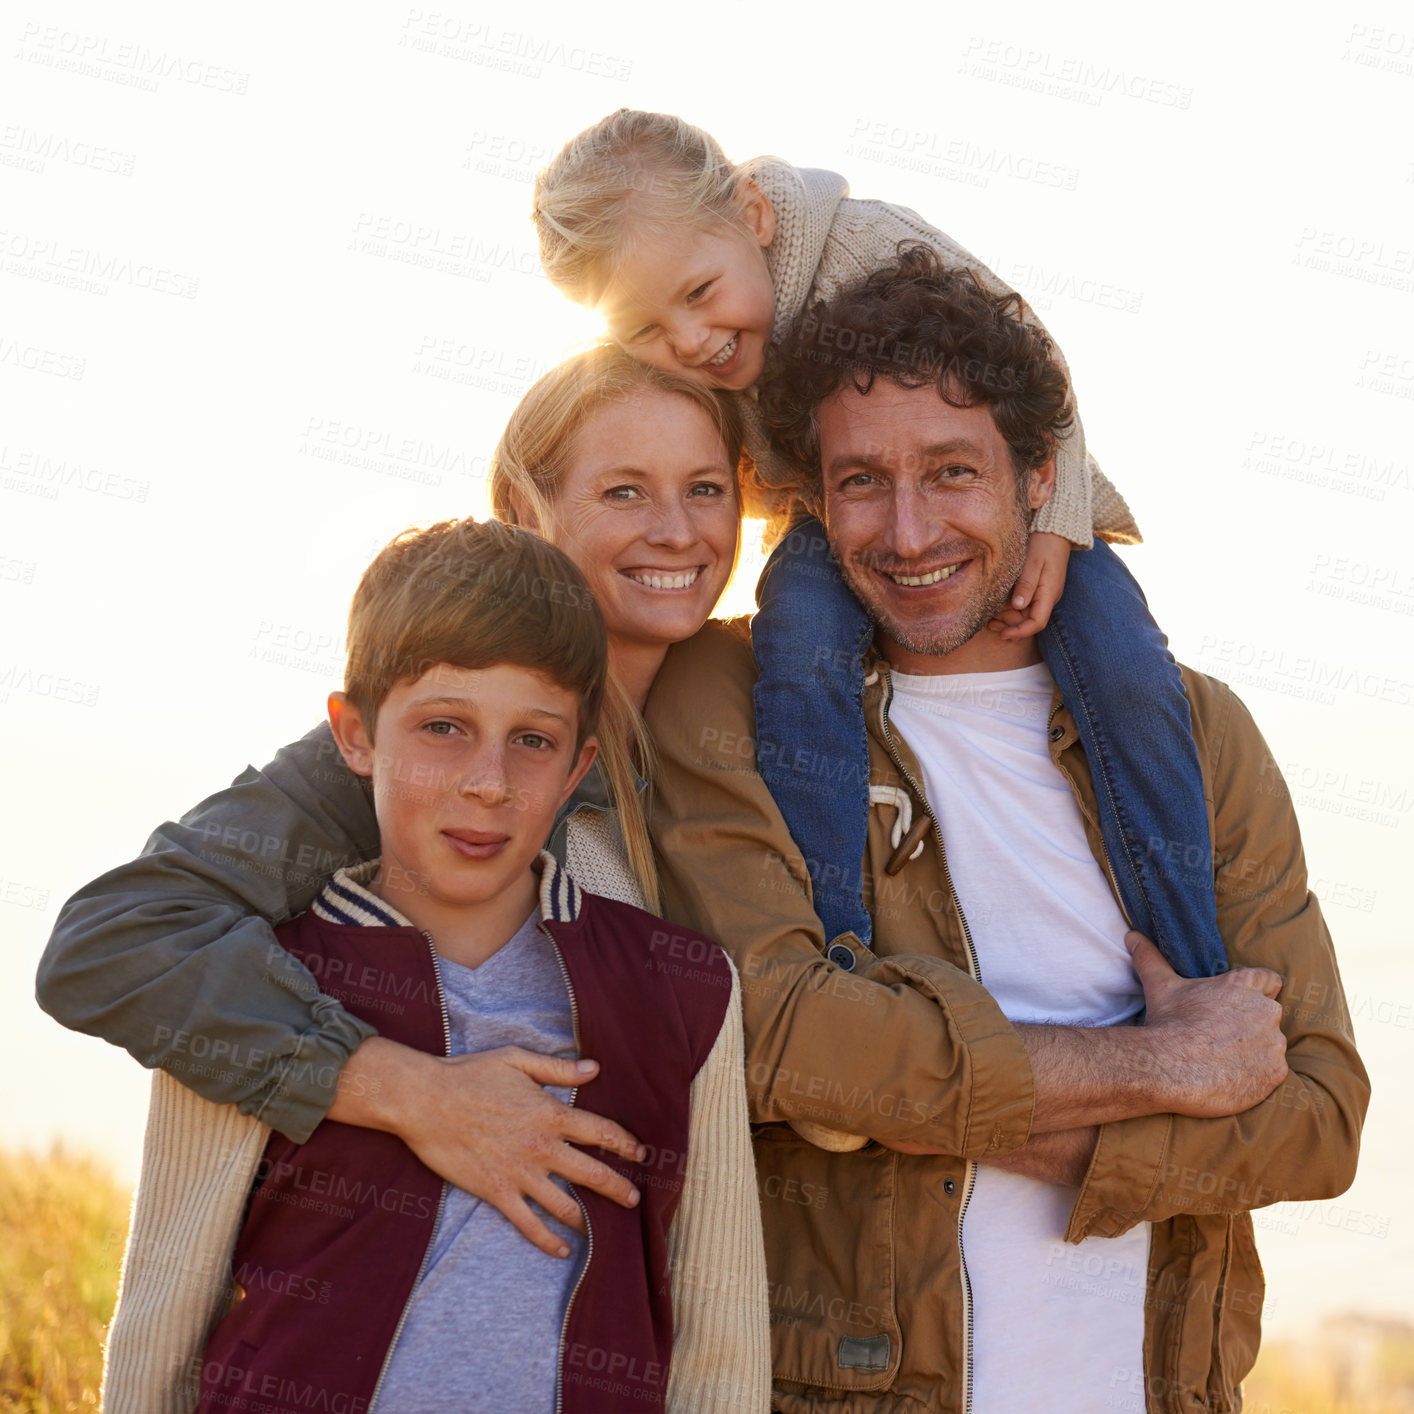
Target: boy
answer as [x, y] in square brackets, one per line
[340, 1273]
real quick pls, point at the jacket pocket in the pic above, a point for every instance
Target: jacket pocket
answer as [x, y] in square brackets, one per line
[829, 1226]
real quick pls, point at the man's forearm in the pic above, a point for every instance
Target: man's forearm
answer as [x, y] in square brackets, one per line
[1090, 1076]
[1062, 1157]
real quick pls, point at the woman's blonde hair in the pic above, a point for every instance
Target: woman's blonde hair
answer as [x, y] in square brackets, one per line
[527, 469]
[633, 174]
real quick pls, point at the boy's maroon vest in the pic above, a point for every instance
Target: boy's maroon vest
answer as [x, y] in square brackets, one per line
[337, 1228]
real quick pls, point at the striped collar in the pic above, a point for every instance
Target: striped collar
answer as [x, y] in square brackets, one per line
[346, 898]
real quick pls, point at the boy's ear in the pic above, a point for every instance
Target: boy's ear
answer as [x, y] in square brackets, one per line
[583, 762]
[354, 740]
[757, 212]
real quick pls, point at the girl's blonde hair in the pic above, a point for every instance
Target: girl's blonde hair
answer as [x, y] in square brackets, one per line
[527, 468]
[633, 174]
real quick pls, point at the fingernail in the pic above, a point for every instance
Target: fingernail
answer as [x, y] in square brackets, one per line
[585, 1067]
[633, 1198]
[642, 1153]
[562, 1251]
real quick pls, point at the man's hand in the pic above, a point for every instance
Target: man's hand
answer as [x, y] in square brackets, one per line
[1208, 1048]
[1037, 588]
[484, 1123]
[1221, 1045]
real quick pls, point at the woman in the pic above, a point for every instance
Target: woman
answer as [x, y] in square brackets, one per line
[633, 473]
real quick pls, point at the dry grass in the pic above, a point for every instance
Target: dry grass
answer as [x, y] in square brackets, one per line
[63, 1221]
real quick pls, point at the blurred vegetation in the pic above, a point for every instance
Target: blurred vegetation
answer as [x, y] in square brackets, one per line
[63, 1222]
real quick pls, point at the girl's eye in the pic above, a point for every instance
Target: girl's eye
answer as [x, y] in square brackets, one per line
[700, 290]
[535, 741]
[640, 335]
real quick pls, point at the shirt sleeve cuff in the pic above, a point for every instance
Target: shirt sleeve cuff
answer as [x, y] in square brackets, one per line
[303, 1086]
[1123, 1179]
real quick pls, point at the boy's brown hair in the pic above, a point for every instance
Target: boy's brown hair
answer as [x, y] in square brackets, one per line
[474, 594]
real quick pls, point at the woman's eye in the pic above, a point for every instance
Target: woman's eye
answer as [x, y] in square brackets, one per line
[706, 489]
[622, 493]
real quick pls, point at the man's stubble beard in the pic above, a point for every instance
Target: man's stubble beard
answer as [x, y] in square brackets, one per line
[994, 599]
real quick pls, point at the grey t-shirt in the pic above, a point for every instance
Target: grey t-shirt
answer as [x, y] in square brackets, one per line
[483, 1329]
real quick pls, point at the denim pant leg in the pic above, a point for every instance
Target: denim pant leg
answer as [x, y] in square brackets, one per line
[1122, 686]
[811, 747]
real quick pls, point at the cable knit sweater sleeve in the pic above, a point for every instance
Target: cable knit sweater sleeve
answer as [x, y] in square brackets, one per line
[827, 241]
[721, 1332]
[198, 1162]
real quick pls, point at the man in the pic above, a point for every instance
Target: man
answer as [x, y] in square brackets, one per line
[979, 1043]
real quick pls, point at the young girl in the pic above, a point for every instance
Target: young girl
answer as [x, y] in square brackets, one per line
[698, 265]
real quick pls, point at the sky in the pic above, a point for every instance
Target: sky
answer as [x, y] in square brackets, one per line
[268, 292]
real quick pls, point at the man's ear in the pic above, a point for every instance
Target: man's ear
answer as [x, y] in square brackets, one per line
[1042, 483]
[583, 762]
[757, 212]
[354, 740]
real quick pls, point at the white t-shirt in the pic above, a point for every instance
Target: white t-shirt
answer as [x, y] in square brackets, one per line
[1051, 1323]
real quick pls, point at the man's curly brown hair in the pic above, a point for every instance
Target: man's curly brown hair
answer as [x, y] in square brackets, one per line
[917, 324]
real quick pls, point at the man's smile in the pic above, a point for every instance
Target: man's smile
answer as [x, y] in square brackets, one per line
[924, 579]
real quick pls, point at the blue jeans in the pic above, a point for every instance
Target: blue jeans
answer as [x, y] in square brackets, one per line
[1116, 676]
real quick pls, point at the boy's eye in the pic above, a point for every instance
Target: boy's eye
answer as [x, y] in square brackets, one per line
[535, 741]
[441, 728]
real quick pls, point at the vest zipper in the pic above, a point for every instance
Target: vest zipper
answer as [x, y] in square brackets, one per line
[588, 1228]
[441, 1201]
[975, 968]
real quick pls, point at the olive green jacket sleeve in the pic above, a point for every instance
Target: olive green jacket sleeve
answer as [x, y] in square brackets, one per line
[1303, 1141]
[169, 954]
[900, 1048]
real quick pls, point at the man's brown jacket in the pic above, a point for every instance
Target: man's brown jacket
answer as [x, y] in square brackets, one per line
[870, 1297]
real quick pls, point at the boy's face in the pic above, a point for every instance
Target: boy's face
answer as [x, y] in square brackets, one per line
[699, 301]
[469, 768]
